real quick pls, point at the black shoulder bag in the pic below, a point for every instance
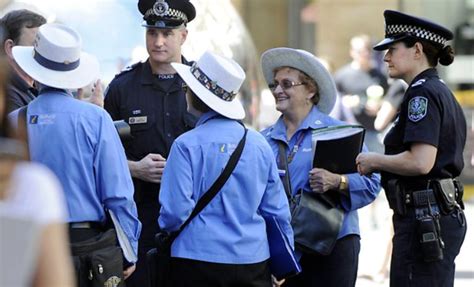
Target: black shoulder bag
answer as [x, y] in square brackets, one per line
[159, 258]
[315, 218]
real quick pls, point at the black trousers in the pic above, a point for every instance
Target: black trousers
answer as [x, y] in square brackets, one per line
[193, 273]
[148, 212]
[408, 269]
[338, 269]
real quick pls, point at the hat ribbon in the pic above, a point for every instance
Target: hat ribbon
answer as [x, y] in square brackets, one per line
[211, 85]
[56, 66]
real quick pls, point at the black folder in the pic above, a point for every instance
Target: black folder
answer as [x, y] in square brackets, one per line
[336, 148]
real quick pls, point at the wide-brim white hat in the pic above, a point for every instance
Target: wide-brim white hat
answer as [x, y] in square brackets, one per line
[56, 59]
[216, 81]
[307, 63]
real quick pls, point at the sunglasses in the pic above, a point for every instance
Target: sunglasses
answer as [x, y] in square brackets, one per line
[284, 84]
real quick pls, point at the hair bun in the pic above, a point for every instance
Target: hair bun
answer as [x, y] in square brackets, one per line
[446, 56]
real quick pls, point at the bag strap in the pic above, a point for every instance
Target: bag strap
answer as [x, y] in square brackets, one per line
[216, 186]
[283, 165]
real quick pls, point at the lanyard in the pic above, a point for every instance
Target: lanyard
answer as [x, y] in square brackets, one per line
[297, 145]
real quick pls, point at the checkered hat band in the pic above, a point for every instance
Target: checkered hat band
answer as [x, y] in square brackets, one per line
[171, 13]
[391, 30]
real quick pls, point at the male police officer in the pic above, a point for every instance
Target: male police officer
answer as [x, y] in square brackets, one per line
[149, 96]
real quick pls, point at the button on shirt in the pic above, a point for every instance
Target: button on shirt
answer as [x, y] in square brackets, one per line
[362, 189]
[231, 229]
[79, 143]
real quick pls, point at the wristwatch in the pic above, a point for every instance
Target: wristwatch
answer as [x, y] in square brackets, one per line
[343, 184]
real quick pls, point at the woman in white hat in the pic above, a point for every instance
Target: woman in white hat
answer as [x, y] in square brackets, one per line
[79, 143]
[226, 244]
[305, 93]
[34, 244]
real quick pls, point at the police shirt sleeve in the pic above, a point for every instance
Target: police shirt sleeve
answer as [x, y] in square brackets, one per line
[111, 99]
[423, 121]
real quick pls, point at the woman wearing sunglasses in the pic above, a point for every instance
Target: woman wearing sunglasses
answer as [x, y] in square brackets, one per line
[305, 93]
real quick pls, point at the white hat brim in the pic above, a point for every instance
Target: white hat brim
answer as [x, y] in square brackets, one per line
[233, 109]
[84, 74]
[305, 62]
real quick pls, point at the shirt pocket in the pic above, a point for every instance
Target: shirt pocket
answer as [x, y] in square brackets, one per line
[140, 123]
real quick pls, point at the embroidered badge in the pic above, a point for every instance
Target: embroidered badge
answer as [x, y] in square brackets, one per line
[417, 108]
[33, 119]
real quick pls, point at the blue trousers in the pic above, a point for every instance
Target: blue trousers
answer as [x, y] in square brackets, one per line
[408, 268]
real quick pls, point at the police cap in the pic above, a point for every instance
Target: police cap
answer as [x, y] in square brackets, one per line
[399, 26]
[166, 14]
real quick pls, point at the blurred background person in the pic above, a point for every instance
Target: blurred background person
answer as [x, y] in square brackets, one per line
[34, 241]
[149, 96]
[305, 93]
[362, 87]
[423, 155]
[20, 27]
[390, 105]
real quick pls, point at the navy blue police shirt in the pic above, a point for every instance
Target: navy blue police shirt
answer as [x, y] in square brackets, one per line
[155, 109]
[429, 114]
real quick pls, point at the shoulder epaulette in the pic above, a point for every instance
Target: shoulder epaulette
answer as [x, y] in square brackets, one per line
[128, 69]
[419, 83]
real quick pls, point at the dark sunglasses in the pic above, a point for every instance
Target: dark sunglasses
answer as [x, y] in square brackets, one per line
[284, 84]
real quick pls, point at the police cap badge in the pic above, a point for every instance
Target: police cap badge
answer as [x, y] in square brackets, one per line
[166, 14]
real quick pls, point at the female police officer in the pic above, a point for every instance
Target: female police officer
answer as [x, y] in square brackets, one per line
[423, 155]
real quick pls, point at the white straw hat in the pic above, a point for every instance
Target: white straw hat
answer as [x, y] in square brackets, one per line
[216, 81]
[307, 63]
[56, 59]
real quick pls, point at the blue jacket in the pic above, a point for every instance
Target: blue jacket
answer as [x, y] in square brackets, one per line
[231, 229]
[79, 143]
[362, 189]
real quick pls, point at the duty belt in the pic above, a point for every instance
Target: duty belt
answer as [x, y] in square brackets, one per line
[420, 198]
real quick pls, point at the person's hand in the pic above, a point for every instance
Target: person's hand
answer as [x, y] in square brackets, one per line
[127, 272]
[365, 163]
[321, 180]
[150, 168]
[276, 283]
[97, 97]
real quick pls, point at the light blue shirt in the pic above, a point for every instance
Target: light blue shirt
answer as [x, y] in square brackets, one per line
[79, 143]
[362, 189]
[231, 229]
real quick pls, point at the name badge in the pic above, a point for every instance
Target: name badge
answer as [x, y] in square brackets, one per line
[137, 120]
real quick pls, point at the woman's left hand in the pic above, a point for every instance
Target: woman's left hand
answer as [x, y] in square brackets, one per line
[321, 180]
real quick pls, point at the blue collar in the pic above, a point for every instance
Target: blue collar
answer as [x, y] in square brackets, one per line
[314, 120]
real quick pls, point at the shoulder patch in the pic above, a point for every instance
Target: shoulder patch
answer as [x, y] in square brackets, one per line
[419, 83]
[128, 69]
[417, 108]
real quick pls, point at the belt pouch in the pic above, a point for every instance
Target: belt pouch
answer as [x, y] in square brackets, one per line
[459, 192]
[99, 261]
[430, 241]
[396, 196]
[445, 193]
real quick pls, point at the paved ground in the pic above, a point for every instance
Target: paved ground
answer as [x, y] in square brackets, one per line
[376, 236]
